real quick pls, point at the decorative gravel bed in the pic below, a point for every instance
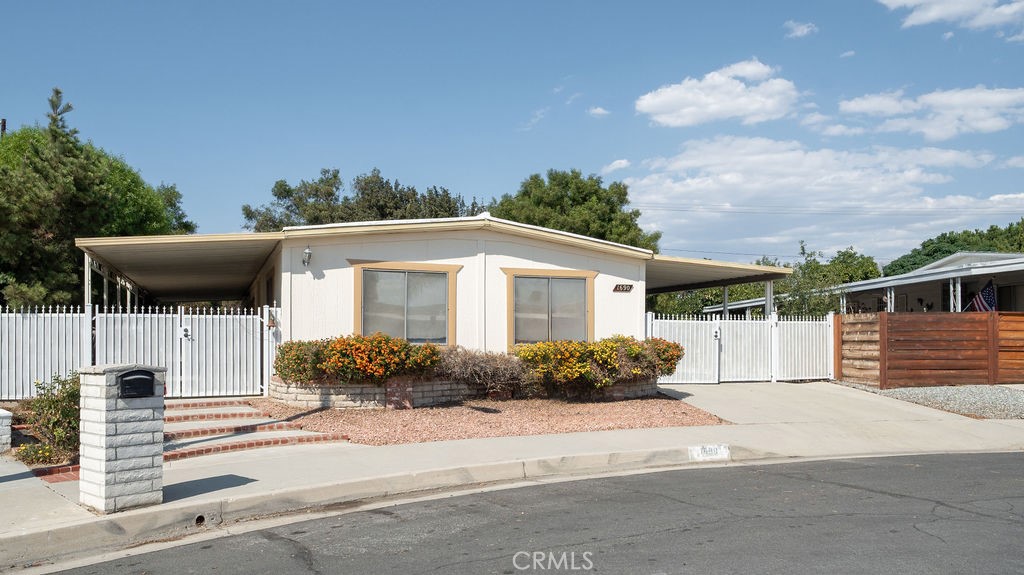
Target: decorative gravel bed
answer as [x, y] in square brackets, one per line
[979, 401]
[486, 418]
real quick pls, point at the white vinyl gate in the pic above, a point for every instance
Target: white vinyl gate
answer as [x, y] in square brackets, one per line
[207, 352]
[769, 349]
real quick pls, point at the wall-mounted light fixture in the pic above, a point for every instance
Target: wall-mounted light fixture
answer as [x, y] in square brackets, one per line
[307, 255]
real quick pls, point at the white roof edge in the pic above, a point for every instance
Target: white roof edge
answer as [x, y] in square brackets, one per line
[990, 256]
[921, 274]
[482, 217]
[1015, 263]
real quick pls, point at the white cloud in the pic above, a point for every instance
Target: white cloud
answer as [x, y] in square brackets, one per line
[970, 14]
[573, 98]
[616, 165]
[883, 104]
[947, 36]
[598, 112]
[842, 130]
[742, 194]
[848, 54]
[799, 29]
[943, 114]
[1014, 162]
[535, 119]
[745, 90]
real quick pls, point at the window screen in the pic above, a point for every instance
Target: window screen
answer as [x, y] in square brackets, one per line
[406, 304]
[547, 309]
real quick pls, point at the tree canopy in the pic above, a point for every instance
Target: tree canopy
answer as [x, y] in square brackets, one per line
[54, 188]
[569, 202]
[373, 198]
[994, 239]
[809, 290]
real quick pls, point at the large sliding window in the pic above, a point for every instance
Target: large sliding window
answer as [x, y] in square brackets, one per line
[409, 305]
[415, 302]
[550, 305]
[550, 309]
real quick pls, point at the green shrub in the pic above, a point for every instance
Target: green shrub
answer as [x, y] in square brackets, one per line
[497, 374]
[299, 361]
[54, 416]
[34, 453]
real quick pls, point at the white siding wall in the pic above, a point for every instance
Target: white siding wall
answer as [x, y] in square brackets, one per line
[318, 300]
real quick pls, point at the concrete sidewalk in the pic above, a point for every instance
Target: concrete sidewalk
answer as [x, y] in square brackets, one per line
[42, 523]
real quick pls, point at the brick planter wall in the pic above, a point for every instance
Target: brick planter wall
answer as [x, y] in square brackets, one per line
[631, 390]
[400, 393]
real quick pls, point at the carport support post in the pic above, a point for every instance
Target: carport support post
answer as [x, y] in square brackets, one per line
[769, 298]
[122, 437]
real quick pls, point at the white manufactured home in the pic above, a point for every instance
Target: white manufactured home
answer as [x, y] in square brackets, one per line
[479, 282]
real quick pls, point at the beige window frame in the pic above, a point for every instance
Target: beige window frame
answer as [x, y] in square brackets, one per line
[358, 266]
[510, 277]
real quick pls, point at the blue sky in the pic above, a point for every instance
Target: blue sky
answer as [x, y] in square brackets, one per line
[741, 128]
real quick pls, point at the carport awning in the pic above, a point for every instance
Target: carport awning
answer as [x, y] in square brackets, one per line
[186, 268]
[669, 274]
[223, 266]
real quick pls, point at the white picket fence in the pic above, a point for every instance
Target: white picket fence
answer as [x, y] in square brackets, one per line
[38, 343]
[769, 349]
[207, 352]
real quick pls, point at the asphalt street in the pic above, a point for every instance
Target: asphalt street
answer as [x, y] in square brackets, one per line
[907, 515]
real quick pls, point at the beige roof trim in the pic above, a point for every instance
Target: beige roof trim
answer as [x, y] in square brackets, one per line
[468, 224]
[177, 239]
[755, 268]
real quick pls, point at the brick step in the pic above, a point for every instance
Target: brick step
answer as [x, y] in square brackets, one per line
[201, 403]
[218, 429]
[228, 444]
[252, 443]
[204, 413]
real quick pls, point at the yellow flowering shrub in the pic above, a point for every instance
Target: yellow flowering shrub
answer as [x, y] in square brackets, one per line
[576, 369]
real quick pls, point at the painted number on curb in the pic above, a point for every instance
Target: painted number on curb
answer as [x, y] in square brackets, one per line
[709, 453]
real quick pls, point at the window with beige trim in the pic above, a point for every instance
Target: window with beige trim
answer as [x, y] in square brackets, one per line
[411, 301]
[550, 305]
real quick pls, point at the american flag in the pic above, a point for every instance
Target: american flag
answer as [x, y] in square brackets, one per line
[986, 298]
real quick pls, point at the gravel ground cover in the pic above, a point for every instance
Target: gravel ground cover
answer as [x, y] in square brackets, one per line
[978, 401]
[486, 418]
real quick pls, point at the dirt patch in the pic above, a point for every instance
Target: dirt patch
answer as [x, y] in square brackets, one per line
[487, 418]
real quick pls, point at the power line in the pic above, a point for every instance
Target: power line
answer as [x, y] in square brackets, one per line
[797, 210]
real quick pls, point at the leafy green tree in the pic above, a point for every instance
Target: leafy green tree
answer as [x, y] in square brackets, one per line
[373, 198]
[569, 202]
[54, 188]
[810, 290]
[308, 203]
[995, 239]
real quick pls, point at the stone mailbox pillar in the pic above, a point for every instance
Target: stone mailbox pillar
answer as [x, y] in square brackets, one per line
[122, 430]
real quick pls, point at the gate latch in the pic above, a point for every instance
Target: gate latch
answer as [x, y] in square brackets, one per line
[717, 334]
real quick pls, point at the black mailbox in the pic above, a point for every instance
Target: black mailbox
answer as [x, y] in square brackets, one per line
[137, 383]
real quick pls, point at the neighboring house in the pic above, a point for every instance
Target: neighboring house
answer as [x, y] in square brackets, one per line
[480, 282]
[948, 284]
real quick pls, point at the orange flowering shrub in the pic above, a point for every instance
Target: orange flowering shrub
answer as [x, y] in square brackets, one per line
[358, 358]
[576, 368]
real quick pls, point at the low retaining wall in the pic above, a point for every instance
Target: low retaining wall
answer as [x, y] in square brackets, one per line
[5, 430]
[631, 390]
[403, 393]
[398, 394]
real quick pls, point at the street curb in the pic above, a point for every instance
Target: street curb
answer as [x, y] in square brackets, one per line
[172, 520]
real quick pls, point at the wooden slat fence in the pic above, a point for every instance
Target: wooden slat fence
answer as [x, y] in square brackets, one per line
[1011, 347]
[893, 350]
